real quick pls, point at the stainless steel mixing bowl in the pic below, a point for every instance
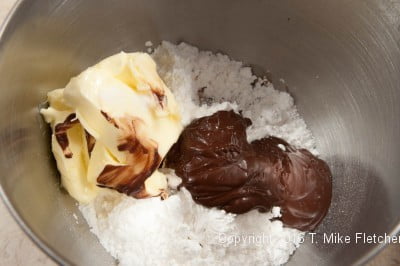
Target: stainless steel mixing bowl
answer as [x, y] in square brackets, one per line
[340, 59]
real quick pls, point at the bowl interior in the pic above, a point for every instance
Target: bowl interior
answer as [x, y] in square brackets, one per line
[339, 59]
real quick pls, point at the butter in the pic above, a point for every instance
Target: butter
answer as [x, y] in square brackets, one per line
[112, 126]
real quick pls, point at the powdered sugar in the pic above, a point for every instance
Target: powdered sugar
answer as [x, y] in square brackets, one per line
[177, 231]
[229, 84]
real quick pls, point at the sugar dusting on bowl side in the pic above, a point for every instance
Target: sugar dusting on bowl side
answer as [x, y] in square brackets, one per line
[177, 231]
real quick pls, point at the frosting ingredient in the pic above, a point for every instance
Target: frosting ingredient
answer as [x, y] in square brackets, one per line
[112, 126]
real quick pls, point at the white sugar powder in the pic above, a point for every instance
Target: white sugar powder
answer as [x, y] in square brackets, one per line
[186, 70]
[176, 231]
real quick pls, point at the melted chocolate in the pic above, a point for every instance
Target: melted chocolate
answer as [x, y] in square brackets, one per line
[109, 119]
[160, 96]
[221, 169]
[60, 132]
[90, 141]
[141, 155]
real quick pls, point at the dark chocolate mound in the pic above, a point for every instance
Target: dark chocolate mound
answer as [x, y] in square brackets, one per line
[221, 169]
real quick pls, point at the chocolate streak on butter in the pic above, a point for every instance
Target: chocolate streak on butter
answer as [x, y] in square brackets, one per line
[142, 160]
[124, 179]
[109, 119]
[221, 169]
[160, 97]
[60, 132]
[90, 141]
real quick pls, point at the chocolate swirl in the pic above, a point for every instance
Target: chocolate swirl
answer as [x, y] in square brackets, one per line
[142, 159]
[60, 132]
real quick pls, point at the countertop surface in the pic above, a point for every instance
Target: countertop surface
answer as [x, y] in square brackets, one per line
[17, 249]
